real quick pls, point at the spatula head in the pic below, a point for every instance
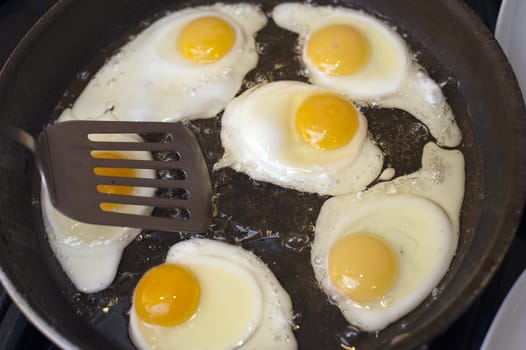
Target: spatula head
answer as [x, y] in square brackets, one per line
[66, 152]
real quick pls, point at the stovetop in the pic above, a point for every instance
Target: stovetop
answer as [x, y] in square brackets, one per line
[467, 333]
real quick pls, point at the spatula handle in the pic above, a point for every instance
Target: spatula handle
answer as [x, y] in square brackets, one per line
[19, 135]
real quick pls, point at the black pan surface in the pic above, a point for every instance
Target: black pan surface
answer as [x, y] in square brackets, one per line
[51, 66]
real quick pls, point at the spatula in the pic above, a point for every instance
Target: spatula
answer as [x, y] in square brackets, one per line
[64, 154]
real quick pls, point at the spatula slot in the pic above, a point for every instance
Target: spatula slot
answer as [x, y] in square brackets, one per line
[127, 146]
[138, 200]
[182, 214]
[135, 163]
[172, 174]
[129, 209]
[167, 156]
[177, 193]
[118, 154]
[140, 182]
[115, 137]
[123, 189]
[116, 172]
[175, 213]
[156, 136]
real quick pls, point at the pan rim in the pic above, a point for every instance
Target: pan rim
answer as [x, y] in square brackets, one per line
[476, 282]
[8, 69]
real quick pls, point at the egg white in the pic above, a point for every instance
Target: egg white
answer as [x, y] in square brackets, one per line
[418, 214]
[90, 254]
[269, 312]
[149, 80]
[390, 79]
[259, 137]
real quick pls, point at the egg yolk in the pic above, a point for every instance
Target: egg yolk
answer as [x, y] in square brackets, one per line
[167, 295]
[338, 50]
[326, 121]
[363, 266]
[206, 40]
[115, 172]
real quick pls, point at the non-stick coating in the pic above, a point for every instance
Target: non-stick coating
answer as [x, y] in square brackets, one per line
[450, 42]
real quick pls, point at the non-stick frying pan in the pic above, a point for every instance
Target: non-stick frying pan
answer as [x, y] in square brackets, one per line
[42, 76]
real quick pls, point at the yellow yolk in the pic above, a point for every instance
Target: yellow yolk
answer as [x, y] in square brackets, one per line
[363, 266]
[167, 295]
[116, 172]
[326, 121]
[338, 49]
[206, 40]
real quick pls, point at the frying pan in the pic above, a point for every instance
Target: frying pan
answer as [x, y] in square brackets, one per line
[42, 76]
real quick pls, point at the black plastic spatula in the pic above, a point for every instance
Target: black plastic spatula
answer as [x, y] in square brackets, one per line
[65, 156]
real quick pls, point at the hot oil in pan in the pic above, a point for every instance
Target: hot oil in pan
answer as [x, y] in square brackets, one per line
[276, 223]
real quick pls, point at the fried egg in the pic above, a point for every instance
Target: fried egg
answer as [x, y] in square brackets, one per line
[299, 136]
[364, 58]
[90, 254]
[210, 295]
[186, 65]
[378, 254]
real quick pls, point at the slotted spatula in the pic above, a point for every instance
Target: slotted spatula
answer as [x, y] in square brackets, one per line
[64, 157]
